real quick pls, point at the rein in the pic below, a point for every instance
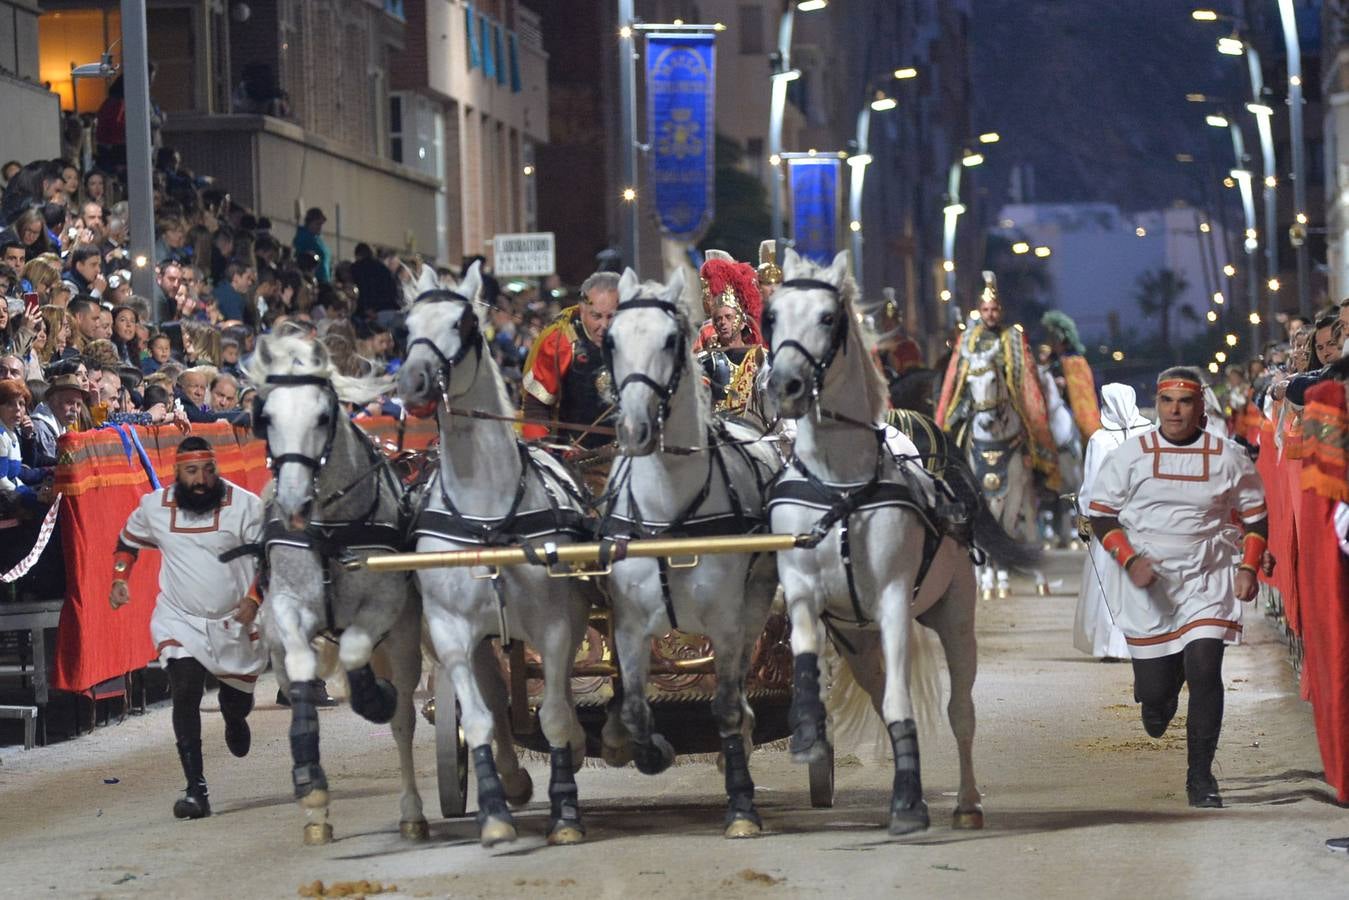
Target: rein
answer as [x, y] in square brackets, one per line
[664, 392]
[838, 333]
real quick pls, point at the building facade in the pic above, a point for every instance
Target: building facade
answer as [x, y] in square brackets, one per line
[22, 94]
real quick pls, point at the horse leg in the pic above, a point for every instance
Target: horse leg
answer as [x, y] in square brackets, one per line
[455, 641]
[953, 620]
[908, 812]
[742, 819]
[557, 718]
[515, 781]
[615, 740]
[652, 752]
[311, 784]
[373, 698]
[403, 651]
[806, 718]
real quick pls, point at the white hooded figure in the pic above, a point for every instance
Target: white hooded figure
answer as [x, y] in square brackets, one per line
[1094, 630]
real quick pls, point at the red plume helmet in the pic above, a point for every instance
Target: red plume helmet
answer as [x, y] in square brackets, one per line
[720, 274]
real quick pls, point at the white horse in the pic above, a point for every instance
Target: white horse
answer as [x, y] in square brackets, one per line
[491, 488]
[869, 508]
[996, 450]
[333, 493]
[683, 473]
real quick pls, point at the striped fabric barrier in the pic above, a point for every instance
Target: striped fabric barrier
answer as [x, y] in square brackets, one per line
[102, 478]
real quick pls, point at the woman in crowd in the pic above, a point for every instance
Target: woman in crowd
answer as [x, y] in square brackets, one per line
[44, 276]
[124, 335]
[96, 188]
[58, 326]
[30, 229]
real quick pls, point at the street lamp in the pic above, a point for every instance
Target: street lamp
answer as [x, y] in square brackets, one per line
[858, 162]
[777, 106]
[951, 214]
[1297, 234]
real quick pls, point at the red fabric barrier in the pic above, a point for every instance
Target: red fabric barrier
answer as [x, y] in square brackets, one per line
[1323, 577]
[101, 487]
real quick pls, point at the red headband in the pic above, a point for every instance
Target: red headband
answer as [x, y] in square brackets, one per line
[1180, 384]
[192, 456]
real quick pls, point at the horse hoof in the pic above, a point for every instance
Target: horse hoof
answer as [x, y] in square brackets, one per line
[1042, 589]
[565, 834]
[908, 821]
[429, 711]
[654, 758]
[743, 828]
[986, 594]
[968, 819]
[616, 757]
[416, 830]
[519, 787]
[496, 831]
[316, 833]
[1004, 593]
[315, 799]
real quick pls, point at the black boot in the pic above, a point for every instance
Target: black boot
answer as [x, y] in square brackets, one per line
[307, 773]
[806, 717]
[564, 805]
[235, 705]
[1200, 786]
[908, 811]
[742, 819]
[373, 699]
[1157, 717]
[195, 803]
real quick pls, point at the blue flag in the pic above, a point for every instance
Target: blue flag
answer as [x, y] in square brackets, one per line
[815, 200]
[681, 90]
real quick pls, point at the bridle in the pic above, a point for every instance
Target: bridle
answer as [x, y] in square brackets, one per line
[664, 392]
[838, 332]
[470, 337]
[261, 422]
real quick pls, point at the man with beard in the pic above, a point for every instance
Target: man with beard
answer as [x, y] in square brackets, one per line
[204, 614]
[729, 362]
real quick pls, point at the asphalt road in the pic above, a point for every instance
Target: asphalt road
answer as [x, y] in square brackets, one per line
[1079, 802]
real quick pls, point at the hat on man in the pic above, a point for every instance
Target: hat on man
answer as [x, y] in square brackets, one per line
[67, 383]
[314, 214]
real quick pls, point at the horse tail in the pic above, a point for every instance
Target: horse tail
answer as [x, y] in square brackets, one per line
[925, 658]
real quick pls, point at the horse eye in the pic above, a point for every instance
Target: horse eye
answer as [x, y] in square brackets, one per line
[324, 419]
[827, 319]
[670, 342]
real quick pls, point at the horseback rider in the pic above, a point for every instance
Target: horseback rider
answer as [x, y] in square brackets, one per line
[729, 347]
[1067, 365]
[204, 618]
[565, 380]
[990, 343]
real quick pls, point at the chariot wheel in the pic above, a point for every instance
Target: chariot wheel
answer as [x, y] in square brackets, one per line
[451, 749]
[822, 781]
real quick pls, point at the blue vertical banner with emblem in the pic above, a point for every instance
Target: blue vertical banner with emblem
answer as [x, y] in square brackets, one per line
[815, 207]
[681, 126]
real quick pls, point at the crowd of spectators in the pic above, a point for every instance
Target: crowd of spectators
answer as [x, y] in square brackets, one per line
[79, 350]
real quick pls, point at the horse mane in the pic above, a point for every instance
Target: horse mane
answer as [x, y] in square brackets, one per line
[297, 354]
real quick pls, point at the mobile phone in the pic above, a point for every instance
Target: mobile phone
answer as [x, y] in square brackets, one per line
[31, 301]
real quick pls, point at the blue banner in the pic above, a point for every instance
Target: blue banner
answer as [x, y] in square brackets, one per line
[815, 206]
[681, 90]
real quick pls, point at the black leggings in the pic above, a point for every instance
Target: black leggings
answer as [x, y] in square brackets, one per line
[187, 684]
[1200, 664]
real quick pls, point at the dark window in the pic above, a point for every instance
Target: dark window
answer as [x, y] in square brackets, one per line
[751, 29]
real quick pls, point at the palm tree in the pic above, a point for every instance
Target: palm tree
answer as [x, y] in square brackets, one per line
[1157, 294]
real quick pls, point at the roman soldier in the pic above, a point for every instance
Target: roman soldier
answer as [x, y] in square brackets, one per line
[565, 380]
[770, 275]
[989, 342]
[1067, 365]
[729, 346]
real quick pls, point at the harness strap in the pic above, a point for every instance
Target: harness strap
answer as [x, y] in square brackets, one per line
[663, 569]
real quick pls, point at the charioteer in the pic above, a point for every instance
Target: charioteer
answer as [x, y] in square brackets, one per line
[729, 346]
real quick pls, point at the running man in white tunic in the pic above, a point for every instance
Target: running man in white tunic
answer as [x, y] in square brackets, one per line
[204, 614]
[1163, 506]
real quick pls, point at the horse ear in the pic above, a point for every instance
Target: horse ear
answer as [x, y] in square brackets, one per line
[264, 351]
[791, 264]
[674, 291]
[628, 285]
[471, 283]
[319, 353]
[838, 269]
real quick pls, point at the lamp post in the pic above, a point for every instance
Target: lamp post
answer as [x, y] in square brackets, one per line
[627, 134]
[951, 214]
[1251, 238]
[858, 162]
[140, 188]
[1297, 234]
[781, 76]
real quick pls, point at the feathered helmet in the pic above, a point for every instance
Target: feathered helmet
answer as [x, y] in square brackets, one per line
[990, 292]
[769, 272]
[734, 284]
[1062, 329]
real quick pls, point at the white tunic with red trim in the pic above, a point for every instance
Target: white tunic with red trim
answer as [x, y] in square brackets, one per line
[198, 594]
[1177, 505]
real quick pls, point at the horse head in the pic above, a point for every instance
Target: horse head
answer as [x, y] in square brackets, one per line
[805, 327]
[296, 411]
[992, 413]
[647, 352]
[443, 332]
